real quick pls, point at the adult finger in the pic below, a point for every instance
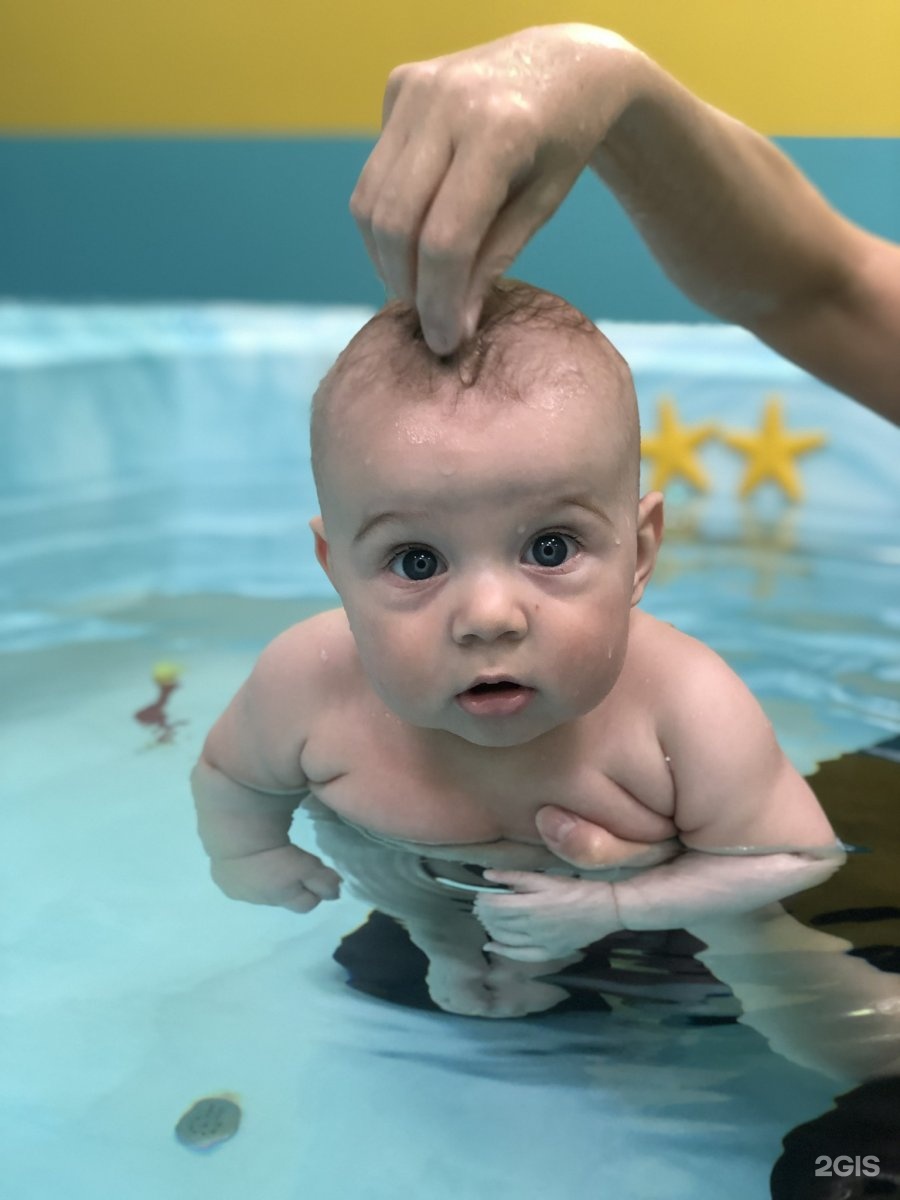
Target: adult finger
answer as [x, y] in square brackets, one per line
[378, 167]
[529, 208]
[489, 164]
[400, 124]
[581, 842]
[402, 209]
[397, 80]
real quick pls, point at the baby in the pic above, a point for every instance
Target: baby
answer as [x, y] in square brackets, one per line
[490, 675]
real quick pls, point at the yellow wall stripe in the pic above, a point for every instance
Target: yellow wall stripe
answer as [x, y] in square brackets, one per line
[789, 67]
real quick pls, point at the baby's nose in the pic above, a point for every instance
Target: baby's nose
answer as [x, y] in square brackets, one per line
[489, 607]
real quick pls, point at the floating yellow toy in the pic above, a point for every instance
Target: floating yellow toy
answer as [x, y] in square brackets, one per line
[771, 451]
[166, 673]
[672, 448]
[166, 676]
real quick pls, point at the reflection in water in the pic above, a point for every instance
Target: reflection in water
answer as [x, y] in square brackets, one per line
[829, 1001]
[766, 545]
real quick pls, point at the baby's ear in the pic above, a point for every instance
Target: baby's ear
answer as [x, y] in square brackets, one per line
[649, 537]
[317, 525]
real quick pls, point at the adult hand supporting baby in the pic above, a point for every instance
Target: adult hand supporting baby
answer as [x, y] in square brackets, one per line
[548, 916]
[478, 149]
[589, 846]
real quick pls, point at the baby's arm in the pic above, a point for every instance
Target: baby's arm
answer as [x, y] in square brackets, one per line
[753, 827]
[249, 781]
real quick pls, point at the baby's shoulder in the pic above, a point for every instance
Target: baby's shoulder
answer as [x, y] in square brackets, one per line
[312, 659]
[650, 637]
[673, 665]
[328, 631]
[689, 686]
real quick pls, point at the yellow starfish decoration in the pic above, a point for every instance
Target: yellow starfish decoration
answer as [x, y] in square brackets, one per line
[672, 448]
[771, 451]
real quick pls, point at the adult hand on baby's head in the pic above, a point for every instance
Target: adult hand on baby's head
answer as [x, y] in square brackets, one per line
[478, 149]
[285, 876]
[586, 845]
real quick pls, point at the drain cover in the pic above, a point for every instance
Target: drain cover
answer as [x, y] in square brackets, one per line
[208, 1122]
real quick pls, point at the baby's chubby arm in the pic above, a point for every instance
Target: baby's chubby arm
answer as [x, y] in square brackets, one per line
[753, 830]
[753, 827]
[249, 781]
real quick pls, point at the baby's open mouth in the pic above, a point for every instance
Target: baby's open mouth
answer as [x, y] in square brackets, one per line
[500, 698]
[500, 686]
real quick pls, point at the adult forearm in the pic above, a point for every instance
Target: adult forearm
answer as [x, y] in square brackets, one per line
[732, 222]
[234, 820]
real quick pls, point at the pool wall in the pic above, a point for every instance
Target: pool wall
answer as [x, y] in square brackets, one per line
[166, 448]
[266, 218]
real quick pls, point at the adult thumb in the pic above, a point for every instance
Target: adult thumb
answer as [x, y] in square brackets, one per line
[582, 843]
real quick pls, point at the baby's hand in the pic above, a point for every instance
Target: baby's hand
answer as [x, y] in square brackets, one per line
[547, 916]
[285, 876]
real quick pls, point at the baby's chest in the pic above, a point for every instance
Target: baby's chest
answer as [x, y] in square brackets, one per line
[384, 785]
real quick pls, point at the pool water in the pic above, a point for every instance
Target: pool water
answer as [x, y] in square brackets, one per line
[133, 989]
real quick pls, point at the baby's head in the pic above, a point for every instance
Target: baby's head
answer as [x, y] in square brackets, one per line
[531, 348]
[480, 513]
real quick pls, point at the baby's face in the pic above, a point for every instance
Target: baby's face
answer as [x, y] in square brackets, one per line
[486, 542]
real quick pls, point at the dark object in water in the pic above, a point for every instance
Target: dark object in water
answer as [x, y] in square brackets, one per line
[382, 961]
[210, 1121]
[859, 794]
[851, 1151]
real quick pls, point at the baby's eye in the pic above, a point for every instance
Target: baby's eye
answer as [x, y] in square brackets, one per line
[415, 563]
[551, 549]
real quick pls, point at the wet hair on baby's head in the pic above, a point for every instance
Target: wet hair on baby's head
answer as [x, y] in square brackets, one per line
[510, 306]
[390, 349]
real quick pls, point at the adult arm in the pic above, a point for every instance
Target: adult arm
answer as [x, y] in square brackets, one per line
[739, 229]
[479, 148]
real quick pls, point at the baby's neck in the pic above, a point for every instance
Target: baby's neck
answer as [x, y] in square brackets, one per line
[451, 752]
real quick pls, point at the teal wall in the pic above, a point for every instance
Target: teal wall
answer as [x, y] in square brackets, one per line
[172, 150]
[266, 219]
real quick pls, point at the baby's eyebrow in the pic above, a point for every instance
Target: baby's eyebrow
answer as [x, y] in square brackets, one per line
[582, 502]
[375, 522]
[371, 524]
